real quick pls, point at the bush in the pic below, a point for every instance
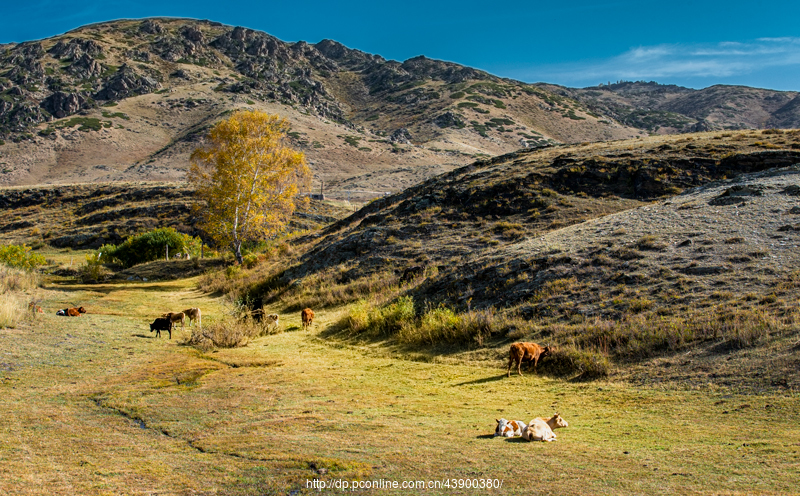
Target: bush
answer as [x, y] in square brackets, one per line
[93, 270]
[365, 318]
[20, 257]
[150, 246]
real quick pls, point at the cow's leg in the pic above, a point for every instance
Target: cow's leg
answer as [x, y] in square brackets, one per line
[519, 365]
[510, 361]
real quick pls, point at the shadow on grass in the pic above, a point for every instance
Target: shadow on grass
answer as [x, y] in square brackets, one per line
[484, 380]
[485, 436]
[143, 336]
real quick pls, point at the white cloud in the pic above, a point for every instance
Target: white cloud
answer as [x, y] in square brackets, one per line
[679, 61]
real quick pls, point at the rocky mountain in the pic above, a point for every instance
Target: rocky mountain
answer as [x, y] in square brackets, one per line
[669, 109]
[129, 100]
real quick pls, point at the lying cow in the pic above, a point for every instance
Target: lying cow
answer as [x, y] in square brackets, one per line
[541, 429]
[307, 315]
[161, 324]
[509, 428]
[71, 312]
[176, 317]
[520, 352]
[193, 314]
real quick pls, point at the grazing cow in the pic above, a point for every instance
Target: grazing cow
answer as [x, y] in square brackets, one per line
[176, 317]
[526, 351]
[541, 429]
[308, 317]
[71, 312]
[509, 428]
[272, 320]
[193, 314]
[161, 324]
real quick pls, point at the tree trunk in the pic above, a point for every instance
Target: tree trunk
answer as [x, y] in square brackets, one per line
[237, 251]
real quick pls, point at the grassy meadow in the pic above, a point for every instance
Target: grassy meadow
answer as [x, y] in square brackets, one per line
[98, 405]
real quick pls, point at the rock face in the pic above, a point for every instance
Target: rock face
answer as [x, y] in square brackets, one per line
[401, 136]
[61, 104]
[448, 119]
[127, 82]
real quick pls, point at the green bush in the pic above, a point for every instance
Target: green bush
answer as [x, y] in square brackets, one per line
[20, 257]
[150, 246]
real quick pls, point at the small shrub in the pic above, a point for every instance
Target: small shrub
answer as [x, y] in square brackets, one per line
[20, 257]
[230, 332]
[93, 270]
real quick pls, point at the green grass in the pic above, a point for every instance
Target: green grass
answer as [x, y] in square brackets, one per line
[85, 123]
[97, 405]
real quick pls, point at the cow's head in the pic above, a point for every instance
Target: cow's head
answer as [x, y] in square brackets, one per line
[81, 310]
[557, 422]
[504, 428]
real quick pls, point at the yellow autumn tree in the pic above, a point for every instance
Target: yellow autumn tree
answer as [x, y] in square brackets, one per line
[248, 179]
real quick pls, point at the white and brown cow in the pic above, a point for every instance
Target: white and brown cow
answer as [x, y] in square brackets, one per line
[509, 428]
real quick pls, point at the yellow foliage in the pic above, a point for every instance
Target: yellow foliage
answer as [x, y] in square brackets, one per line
[248, 178]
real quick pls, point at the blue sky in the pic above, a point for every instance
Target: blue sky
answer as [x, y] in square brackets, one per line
[581, 43]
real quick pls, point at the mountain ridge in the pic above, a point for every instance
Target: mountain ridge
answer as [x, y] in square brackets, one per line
[129, 100]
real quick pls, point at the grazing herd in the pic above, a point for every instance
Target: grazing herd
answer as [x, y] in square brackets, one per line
[169, 319]
[538, 429]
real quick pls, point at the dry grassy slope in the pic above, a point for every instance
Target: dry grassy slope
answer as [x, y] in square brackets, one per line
[89, 215]
[155, 86]
[463, 221]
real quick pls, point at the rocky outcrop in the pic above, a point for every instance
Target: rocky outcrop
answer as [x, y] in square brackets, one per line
[125, 83]
[61, 104]
[75, 48]
[449, 119]
[401, 136]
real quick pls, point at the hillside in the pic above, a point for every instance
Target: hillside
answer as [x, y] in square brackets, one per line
[584, 244]
[129, 100]
[89, 215]
[669, 109]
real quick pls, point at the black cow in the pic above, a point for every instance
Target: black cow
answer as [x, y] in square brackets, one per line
[161, 324]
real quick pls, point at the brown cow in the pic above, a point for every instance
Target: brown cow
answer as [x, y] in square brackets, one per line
[176, 317]
[193, 314]
[308, 317]
[526, 351]
[74, 312]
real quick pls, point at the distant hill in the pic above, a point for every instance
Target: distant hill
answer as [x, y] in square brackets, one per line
[669, 109]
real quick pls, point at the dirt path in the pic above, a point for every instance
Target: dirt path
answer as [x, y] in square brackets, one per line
[97, 405]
